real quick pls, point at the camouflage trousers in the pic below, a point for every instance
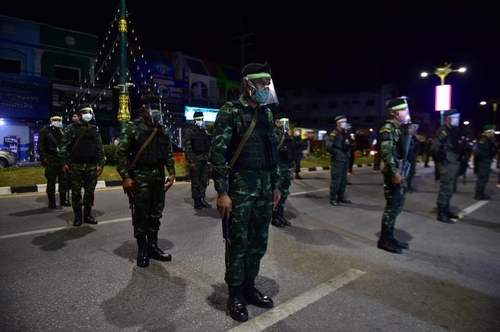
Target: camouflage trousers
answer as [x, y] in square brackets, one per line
[199, 179]
[448, 177]
[83, 176]
[54, 174]
[483, 175]
[251, 216]
[338, 172]
[285, 175]
[149, 201]
[411, 173]
[394, 201]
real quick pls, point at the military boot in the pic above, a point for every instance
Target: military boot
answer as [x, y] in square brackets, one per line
[78, 217]
[400, 245]
[443, 214]
[63, 199]
[153, 251]
[142, 252]
[87, 216]
[236, 304]
[275, 221]
[253, 296]
[385, 242]
[285, 222]
[52, 201]
[451, 215]
[205, 203]
[198, 204]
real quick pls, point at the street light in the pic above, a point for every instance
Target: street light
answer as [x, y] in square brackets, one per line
[442, 72]
[495, 107]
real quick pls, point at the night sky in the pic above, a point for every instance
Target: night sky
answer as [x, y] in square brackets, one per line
[315, 46]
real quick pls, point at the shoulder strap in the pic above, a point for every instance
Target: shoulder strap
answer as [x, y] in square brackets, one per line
[281, 141]
[78, 141]
[244, 140]
[136, 157]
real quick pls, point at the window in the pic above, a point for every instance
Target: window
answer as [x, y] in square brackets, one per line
[67, 73]
[10, 66]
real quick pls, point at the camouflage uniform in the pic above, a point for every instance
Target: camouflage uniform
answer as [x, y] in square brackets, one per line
[486, 150]
[197, 146]
[339, 162]
[249, 189]
[48, 147]
[148, 174]
[83, 162]
[412, 157]
[287, 154]
[447, 150]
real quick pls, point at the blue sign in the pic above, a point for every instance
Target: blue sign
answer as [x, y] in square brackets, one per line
[24, 97]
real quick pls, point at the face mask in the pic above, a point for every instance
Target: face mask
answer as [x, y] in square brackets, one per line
[56, 124]
[454, 122]
[343, 125]
[155, 115]
[404, 117]
[74, 119]
[260, 96]
[199, 123]
[86, 117]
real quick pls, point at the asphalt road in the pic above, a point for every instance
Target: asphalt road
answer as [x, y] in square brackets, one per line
[324, 272]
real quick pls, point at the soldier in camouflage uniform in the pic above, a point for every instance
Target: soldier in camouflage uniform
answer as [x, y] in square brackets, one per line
[247, 191]
[49, 139]
[392, 151]
[286, 150]
[339, 146]
[83, 159]
[143, 152]
[486, 150]
[412, 157]
[447, 151]
[197, 145]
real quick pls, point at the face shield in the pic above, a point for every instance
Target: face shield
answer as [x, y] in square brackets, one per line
[455, 120]
[155, 113]
[412, 129]
[261, 92]
[56, 123]
[284, 124]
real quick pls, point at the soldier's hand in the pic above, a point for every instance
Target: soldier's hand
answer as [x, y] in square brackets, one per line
[224, 205]
[192, 165]
[44, 162]
[169, 183]
[99, 171]
[397, 179]
[276, 197]
[65, 169]
[128, 187]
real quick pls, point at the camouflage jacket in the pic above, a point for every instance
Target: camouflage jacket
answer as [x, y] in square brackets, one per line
[191, 157]
[486, 149]
[241, 182]
[129, 135]
[49, 139]
[69, 138]
[390, 136]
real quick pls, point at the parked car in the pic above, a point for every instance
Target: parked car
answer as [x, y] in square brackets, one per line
[7, 158]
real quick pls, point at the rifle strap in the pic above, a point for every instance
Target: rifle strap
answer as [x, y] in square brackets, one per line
[244, 140]
[281, 141]
[78, 141]
[136, 157]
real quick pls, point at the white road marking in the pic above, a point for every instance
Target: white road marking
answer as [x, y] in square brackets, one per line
[290, 307]
[307, 192]
[48, 230]
[470, 209]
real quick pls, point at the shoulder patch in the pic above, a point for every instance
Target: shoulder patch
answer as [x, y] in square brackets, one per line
[333, 134]
[443, 132]
[385, 135]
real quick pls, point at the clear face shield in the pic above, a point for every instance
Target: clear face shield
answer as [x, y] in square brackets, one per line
[263, 93]
[155, 113]
[56, 123]
[284, 124]
[412, 129]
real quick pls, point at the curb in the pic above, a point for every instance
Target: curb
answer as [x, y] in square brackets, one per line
[116, 183]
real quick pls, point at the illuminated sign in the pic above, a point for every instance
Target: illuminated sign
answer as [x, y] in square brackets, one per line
[443, 98]
[209, 114]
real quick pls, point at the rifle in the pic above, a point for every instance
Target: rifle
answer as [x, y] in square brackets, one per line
[68, 184]
[226, 235]
[131, 201]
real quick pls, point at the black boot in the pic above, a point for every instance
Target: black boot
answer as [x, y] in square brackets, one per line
[52, 200]
[451, 215]
[400, 245]
[253, 296]
[78, 217]
[142, 253]
[276, 221]
[281, 218]
[344, 200]
[236, 305]
[385, 242]
[443, 214]
[153, 251]
[87, 216]
[334, 201]
[63, 199]
[205, 203]
[198, 204]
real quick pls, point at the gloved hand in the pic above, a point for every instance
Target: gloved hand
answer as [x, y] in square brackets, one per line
[44, 162]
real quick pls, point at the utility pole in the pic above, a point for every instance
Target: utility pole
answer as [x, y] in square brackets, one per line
[242, 46]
